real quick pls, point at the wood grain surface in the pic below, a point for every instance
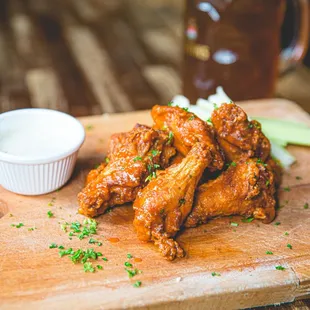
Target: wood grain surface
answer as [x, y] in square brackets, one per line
[32, 276]
[88, 57]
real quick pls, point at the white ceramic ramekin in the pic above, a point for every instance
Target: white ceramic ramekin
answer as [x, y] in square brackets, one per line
[38, 167]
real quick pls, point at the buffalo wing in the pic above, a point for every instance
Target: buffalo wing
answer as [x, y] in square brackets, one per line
[162, 206]
[133, 157]
[188, 130]
[246, 188]
[238, 137]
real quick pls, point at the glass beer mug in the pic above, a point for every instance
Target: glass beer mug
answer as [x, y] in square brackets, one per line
[236, 44]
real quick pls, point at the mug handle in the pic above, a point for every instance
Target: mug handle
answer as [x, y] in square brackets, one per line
[296, 51]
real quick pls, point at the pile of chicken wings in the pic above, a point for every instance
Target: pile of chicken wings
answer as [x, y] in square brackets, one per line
[183, 171]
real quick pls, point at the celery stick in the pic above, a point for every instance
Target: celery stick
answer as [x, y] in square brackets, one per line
[280, 142]
[219, 97]
[201, 113]
[180, 101]
[280, 122]
[205, 105]
[283, 131]
[282, 154]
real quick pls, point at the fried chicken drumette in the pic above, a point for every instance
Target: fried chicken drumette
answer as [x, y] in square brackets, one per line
[162, 206]
[133, 157]
[240, 138]
[188, 130]
[246, 189]
[237, 136]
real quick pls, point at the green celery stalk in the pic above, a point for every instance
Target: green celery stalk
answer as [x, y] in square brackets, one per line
[280, 122]
[277, 151]
[286, 131]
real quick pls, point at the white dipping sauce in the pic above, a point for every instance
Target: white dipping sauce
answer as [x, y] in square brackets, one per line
[37, 136]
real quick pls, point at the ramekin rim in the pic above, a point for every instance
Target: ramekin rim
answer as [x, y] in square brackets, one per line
[44, 160]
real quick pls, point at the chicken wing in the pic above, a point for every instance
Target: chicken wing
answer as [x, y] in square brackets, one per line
[277, 170]
[140, 153]
[163, 205]
[115, 143]
[187, 130]
[246, 188]
[237, 136]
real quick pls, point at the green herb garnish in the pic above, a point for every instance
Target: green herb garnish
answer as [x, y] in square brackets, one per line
[215, 274]
[127, 264]
[156, 166]
[154, 152]
[99, 267]
[170, 137]
[50, 214]
[132, 272]
[280, 268]
[51, 203]
[234, 224]
[18, 225]
[65, 252]
[89, 228]
[75, 226]
[137, 158]
[137, 284]
[248, 220]
[151, 176]
[289, 246]
[277, 223]
[53, 246]
[287, 189]
[88, 267]
[89, 127]
[306, 206]
[269, 253]
[129, 255]
[259, 161]
[181, 201]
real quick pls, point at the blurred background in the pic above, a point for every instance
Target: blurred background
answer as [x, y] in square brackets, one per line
[88, 57]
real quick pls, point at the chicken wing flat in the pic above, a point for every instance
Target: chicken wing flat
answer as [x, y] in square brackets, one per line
[246, 189]
[187, 130]
[133, 157]
[162, 206]
[115, 144]
[238, 137]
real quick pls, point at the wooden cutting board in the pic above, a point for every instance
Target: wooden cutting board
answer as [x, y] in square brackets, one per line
[32, 276]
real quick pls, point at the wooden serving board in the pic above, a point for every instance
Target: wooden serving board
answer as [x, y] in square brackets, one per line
[32, 276]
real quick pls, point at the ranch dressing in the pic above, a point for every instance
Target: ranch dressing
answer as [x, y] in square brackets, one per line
[36, 138]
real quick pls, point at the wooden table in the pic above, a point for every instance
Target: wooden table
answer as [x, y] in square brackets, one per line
[86, 57]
